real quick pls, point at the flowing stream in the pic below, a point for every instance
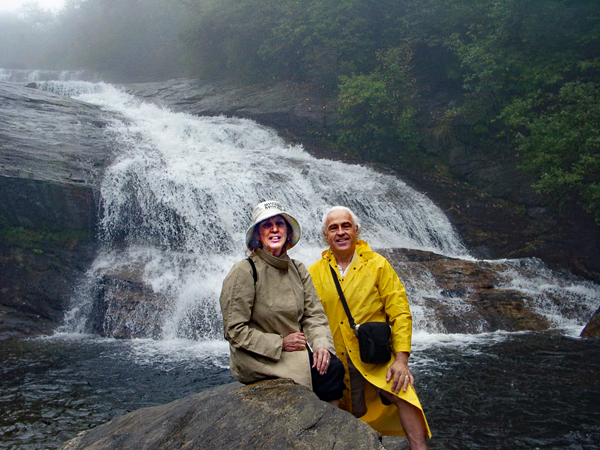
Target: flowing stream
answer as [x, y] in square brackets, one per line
[175, 206]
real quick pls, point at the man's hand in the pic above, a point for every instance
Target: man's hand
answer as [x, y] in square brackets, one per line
[399, 373]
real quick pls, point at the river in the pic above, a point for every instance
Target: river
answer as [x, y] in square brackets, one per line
[174, 207]
[491, 391]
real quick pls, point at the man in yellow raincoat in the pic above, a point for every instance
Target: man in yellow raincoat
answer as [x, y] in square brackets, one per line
[382, 395]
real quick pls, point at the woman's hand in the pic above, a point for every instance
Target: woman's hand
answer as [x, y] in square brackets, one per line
[399, 373]
[321, 359]
[294, 342]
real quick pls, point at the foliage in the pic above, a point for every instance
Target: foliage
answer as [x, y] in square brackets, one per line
[322, 40]
[224, 38]
[363, 117]
[506, 53]
[561, 143]
[376, 111]
[31, 239]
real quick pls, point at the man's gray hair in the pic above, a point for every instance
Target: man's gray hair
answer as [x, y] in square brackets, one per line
[339, 208]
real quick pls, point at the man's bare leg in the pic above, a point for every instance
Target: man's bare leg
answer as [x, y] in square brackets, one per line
[412, 422]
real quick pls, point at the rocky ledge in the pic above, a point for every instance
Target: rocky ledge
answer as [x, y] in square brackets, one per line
[126, 306]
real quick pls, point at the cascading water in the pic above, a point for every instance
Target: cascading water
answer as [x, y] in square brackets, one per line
[177, 200]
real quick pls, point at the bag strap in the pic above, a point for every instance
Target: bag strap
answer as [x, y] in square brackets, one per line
[294, 263]
[342, 298]
[254, 275]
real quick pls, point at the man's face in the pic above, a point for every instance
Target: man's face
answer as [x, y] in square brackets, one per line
[341, 233]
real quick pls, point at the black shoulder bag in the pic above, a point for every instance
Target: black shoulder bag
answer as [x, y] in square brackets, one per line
[373, 337]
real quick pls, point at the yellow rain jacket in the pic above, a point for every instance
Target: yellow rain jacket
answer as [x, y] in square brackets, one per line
[372, 290]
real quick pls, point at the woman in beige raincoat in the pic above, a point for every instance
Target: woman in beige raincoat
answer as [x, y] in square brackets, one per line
[271, 313]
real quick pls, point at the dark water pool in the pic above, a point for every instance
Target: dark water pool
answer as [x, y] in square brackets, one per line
[516, 391]
[529, 391]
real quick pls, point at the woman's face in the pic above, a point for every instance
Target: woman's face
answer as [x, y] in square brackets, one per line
[272, 233]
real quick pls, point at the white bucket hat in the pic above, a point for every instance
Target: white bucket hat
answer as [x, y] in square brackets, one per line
[268, 209]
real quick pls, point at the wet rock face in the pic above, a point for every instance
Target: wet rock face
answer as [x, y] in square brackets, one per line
[473, 284]
[270, 415]
[126, 307]
[51, 138]
[53, 153]
[298, 112]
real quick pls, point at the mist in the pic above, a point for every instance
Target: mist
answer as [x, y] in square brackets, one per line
[131, 41]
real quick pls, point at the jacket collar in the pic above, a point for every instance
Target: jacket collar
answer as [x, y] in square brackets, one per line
[280, 263]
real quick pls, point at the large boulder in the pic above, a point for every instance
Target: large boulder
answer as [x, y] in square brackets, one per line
[126, 307]
[270, 415]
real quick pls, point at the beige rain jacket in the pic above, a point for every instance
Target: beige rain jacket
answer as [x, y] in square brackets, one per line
[256, 318]
[372, 290]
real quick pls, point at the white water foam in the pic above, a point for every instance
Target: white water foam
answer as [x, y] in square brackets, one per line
[560, 297]
[169, 354]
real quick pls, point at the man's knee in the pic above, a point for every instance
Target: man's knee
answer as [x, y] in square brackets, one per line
[391, 398]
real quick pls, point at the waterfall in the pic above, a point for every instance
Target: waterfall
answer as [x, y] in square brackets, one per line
[177, 200]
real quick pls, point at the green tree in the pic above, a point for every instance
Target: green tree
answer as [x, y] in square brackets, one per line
[560, 143]
[376, 110]
[514, 48]
[224, 38]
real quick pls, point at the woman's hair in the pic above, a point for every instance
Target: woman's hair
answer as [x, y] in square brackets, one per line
[338, 208]
[255, 239]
